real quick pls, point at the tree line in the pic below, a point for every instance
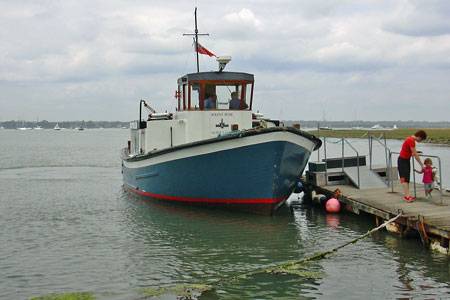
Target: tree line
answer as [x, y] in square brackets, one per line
[64, 124]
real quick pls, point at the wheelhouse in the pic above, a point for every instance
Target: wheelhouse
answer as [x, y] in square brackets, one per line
[194, 88]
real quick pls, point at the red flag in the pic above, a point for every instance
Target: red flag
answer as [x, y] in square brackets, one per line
[203, 50]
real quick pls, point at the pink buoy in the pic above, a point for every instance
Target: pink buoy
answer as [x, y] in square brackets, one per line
[333, 205]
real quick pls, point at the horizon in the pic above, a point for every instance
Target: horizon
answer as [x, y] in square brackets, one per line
[283, 120]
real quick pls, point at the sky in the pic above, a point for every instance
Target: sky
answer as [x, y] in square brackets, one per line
[328, 60]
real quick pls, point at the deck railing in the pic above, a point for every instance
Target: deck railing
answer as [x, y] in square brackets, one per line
[343, 142]
[371, 138]
[388, 156]
[414, 177]
[387, 152]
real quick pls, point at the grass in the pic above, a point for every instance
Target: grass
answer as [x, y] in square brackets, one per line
[434, 135]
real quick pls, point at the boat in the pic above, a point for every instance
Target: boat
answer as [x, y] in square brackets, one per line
[23, 127]
[221, 157]
[37, 127]
[57, 127]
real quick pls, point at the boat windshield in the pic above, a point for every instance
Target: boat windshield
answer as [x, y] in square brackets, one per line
[219, 95]
[225, 93]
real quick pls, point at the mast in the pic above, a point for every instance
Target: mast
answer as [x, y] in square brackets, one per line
[196, 34]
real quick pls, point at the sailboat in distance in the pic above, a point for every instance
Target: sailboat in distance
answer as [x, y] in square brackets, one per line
[37, 127]
[23, 127]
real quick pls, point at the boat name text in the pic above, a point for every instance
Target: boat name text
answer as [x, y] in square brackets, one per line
[221, 114]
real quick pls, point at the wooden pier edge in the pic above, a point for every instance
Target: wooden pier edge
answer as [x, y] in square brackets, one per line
[409, 225]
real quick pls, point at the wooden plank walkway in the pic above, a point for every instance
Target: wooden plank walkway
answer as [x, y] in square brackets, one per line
[425, 216]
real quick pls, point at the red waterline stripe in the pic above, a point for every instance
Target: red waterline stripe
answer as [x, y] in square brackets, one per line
[208, 200]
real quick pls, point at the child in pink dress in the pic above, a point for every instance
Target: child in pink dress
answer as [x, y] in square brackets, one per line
[428, 177]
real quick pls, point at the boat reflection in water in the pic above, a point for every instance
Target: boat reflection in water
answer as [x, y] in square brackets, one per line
[178, 244]
[184, 245]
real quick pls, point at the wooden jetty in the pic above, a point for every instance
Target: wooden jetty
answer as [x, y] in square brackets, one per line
[429, 219]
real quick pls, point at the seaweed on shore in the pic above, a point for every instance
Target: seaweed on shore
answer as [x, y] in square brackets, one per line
[68, 296]
[185, 292]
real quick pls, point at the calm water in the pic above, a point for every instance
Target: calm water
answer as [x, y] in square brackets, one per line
[67, 226]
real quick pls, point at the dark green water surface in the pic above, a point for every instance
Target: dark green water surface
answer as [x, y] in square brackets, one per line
[68, 226]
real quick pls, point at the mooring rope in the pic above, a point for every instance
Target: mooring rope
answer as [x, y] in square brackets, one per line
[280, 269]
[322, 254]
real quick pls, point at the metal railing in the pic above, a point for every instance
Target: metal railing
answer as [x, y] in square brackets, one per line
[325, 157]
[414, 177]
[388, 156]
[387, 151]
[343, 141]
[357, 158]
[371, 138]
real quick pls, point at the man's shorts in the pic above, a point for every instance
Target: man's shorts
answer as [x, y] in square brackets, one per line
[404, 169]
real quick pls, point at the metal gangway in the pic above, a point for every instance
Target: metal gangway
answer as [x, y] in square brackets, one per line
[359, 174]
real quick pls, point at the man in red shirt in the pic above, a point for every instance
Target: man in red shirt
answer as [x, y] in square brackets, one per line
[403, 164]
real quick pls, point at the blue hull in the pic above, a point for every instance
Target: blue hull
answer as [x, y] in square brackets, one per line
[256, 178]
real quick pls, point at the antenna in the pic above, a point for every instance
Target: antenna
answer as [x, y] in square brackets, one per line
[196, 34]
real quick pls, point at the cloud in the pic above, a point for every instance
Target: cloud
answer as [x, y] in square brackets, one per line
[420, 18]
[306, 55]
[244, 17]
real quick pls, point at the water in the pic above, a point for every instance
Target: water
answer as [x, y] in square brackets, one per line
[67, 226]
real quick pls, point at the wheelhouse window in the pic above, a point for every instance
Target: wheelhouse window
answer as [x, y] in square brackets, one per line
[224, 92]
[181, 97]
[248, 92]
[194, 94]
[224, 95]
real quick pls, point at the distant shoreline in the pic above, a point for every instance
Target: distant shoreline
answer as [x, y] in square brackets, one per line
[434, 135]
[360, 124]
[64, 124]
